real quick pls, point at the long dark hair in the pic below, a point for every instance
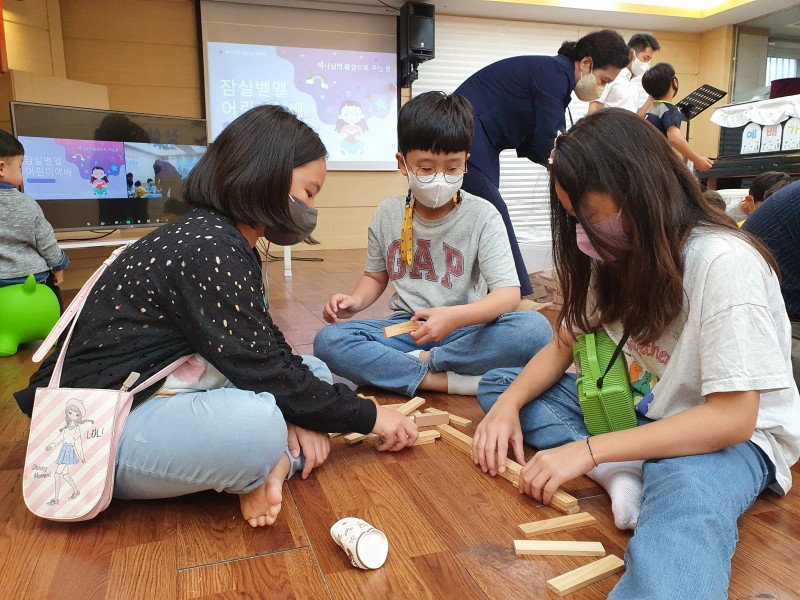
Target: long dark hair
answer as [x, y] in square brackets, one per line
[614, 152]
[606, 49]
[246, 174]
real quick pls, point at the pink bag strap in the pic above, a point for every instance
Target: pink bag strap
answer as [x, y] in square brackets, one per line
[71, 316]
[162, 374]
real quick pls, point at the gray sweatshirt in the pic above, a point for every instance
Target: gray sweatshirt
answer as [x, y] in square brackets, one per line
[27, 242]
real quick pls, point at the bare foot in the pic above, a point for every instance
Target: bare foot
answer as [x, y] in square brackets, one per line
[261, 506]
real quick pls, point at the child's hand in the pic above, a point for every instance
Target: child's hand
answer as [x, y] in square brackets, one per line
[441, 322]
[549, 469]
[704, 164]
[490, 443]
[397, 431]
[340, 306]
[58, 277]
[314, 445]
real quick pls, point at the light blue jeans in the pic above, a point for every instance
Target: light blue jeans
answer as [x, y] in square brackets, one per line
[686, 534]
[359, 351]
[226, 440]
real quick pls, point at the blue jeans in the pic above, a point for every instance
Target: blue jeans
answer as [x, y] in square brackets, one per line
[359, 351]
[226, 440]
[686, 534]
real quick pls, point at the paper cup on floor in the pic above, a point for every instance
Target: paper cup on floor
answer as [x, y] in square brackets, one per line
[366, 547]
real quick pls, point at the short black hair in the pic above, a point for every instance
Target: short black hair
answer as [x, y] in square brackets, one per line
[246, 174]
[149, 180]
[10, 146]
[137, 183]
[715, 199]
[658, 79]
[643, 41]
[436, 122]
[764, 182]
[606, 48]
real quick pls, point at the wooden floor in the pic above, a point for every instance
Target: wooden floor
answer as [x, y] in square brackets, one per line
[450, 528]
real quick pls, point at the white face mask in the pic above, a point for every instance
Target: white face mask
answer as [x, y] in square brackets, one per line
[639, 67]
[587, 89]
[433, 194]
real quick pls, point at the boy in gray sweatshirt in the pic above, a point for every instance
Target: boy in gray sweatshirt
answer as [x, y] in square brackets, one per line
[27, 242]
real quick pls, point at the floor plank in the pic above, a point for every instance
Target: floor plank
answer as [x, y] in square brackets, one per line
[290, 575]
[211, 529]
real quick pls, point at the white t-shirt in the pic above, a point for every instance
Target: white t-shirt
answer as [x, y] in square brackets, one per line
[735, 335]
[736, 213]
[638, 95]
[620, 93]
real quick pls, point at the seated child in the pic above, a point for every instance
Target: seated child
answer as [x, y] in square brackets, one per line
[698, 311]
[448, 256]
[660, 82]
[140, 190]
[27, 241]
[757, 194]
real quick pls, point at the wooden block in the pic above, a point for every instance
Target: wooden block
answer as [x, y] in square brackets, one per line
[552, 548]
[427, 437]
[368, 397]
[458, 439]
[436, 411]
[333, 435]
[354, 438]
[455, 419]
[410, 406]
[560, 501]
[427, 419]
[401, 328]
[535, 528]
[586, 575]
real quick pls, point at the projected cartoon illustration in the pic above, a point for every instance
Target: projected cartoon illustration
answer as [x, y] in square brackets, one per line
[57, 168]
[99, 181]
[351, 125]
[348, 96]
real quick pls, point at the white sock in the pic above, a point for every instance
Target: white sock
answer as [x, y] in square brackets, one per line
[464, 385]
[623, 482]
[415, 353]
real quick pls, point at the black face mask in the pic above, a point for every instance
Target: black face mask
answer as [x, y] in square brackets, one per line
[303, 216]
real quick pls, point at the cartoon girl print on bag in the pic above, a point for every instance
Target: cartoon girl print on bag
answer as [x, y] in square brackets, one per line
[71, 447]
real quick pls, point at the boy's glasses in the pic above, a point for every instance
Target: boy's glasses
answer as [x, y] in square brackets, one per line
[428, 174]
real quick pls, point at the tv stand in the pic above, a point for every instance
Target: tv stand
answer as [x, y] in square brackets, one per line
[287, 250]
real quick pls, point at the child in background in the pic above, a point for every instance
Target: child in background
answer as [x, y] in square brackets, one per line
[27, 241]
[639, 251]
[660, 82]
[140, 190]
[447, 255]
[756, 194]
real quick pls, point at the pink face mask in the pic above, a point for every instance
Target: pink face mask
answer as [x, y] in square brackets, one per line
[610, 230]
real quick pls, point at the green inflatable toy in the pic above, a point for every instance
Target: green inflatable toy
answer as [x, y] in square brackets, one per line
[28, 311]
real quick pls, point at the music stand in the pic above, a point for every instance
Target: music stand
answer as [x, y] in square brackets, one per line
[697, 102]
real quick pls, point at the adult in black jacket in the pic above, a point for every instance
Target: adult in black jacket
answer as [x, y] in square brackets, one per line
[519, 103]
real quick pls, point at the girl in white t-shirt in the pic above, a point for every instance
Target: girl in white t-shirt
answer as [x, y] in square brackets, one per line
[639, 251]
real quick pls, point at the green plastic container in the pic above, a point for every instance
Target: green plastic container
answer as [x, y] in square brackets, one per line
[609, 408]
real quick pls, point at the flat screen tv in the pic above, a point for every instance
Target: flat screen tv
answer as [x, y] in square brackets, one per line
[101, 169]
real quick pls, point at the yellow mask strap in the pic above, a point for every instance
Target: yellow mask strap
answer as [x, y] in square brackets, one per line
[406, 236]
[406, 239]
